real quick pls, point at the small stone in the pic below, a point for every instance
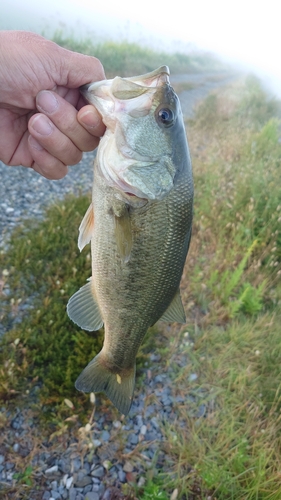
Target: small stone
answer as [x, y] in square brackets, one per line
[143, 430]
[154, 422]
[122, 476]
[63, 466]
[88, 488]
[2, 459]
[133, 439]
[128, 467]
[201, 411]
[75, 464]
[46, 495]
[98, 472]
[72, 494]
[149, 410]
[105, 436]
[117, 424]
[166, 400]
[96, 443]
[141, 482]
[92, 495]
[55, 495]
[68, 482]
[9, 465]
[84, 481]
[155, 357]
[15, 424]
[151, 436]
[54, 485]
[139, 420]
[16, 447]
[192, 377]
[52, 470]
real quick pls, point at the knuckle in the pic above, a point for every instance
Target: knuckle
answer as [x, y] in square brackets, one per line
[75, 157]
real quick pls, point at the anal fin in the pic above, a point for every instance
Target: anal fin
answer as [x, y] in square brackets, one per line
[175, 311]
[83, 309]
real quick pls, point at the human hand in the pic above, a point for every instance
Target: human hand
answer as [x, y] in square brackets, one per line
[38, 75]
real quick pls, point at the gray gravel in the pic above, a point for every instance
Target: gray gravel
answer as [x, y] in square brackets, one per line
[25, 194]
[110, 451]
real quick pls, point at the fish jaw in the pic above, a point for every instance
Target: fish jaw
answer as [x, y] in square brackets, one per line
[106, 95]
[135, 154]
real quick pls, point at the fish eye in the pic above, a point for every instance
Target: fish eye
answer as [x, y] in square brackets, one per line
[166, 116]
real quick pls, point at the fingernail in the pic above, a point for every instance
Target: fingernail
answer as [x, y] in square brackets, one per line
[42, 125]
[47, 101]
[89, 119]
[34, 144]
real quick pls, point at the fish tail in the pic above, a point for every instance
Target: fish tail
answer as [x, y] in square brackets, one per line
[118, 387]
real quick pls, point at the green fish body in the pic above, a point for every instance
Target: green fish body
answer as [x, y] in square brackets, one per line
[139, 225]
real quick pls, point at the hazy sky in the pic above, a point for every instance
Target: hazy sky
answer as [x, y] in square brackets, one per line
[244, 31]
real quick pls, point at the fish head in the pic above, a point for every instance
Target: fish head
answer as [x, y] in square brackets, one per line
[144, 126]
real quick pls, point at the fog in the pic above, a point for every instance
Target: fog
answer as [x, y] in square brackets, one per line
[244, 33]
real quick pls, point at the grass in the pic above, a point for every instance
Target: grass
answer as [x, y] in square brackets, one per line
[45, 345]
[231, 289]
[126, 58]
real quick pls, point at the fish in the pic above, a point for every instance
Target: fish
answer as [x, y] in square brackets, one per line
[139, 226]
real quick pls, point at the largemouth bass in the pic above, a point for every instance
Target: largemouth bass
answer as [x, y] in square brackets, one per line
[139, 225]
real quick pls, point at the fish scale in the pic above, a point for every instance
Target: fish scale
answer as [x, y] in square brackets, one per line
[139, 225]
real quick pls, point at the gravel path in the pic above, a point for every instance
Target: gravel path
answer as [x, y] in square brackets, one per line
[110, 451]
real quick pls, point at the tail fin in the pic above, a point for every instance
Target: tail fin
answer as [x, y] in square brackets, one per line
[119, 388]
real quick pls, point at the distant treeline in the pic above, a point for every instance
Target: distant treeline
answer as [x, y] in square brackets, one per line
[127, 59]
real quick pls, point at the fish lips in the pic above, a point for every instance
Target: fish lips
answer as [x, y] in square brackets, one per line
[127, 88]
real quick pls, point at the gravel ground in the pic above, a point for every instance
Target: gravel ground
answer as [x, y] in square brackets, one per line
[110, 451]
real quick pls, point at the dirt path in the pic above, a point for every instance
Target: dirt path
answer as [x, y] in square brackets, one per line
[193, 88]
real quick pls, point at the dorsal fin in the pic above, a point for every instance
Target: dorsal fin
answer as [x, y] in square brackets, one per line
[86, 228]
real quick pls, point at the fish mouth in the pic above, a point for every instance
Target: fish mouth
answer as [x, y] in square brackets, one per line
[131, 86]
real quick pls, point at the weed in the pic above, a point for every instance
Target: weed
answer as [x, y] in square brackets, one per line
[232, 278]
[125, 58]
[153, 491]
[25, 476]
[45, 349]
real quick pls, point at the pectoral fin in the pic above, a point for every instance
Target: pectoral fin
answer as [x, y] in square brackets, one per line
[83, 309]
[86, 228]
[175, 311]
[123, 232]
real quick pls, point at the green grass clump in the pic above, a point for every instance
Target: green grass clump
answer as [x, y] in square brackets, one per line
[238, 201]
[127, 59]
[232, 288]
[45, 268]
